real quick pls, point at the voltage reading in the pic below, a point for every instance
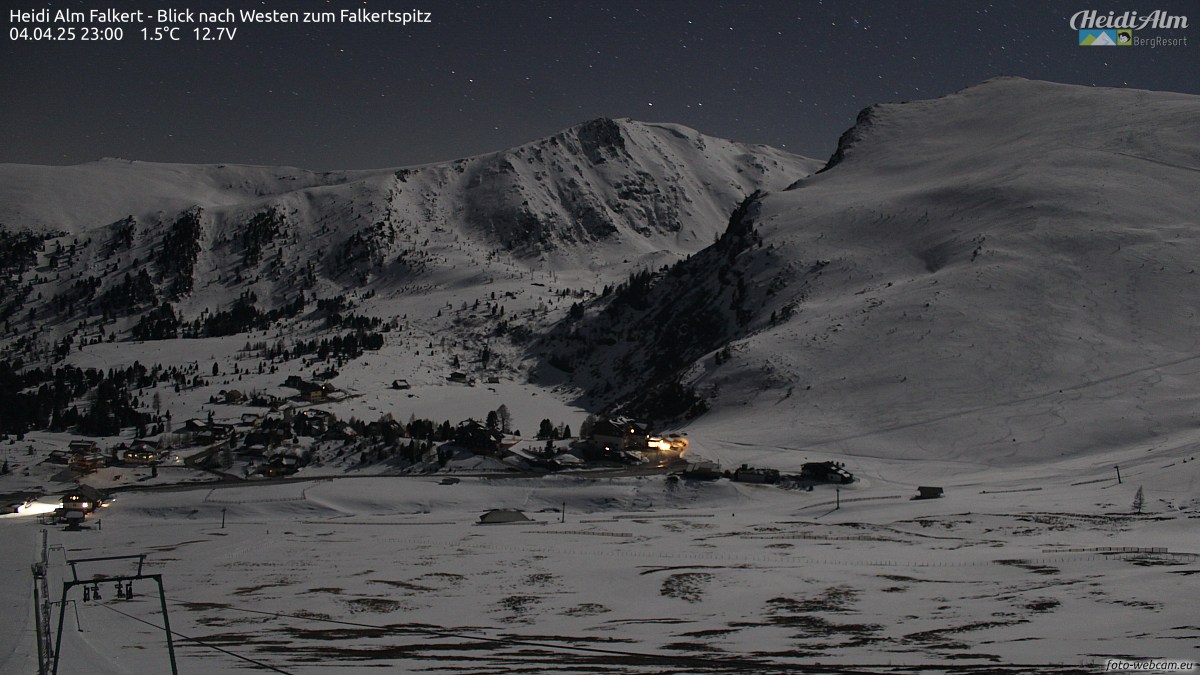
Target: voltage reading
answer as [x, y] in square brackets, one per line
[216, 33]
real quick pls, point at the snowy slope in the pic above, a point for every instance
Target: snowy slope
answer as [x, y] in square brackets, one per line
[76, 198]
[991, 292]
[594, 200]
[1004, 275]
[528, 230]
[639, 575]
[592, 181]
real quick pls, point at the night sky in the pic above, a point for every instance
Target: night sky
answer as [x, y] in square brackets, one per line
[486, 76]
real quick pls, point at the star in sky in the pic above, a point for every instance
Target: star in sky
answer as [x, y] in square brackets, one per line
[493, 74]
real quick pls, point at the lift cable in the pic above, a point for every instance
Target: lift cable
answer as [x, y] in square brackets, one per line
[260, 664]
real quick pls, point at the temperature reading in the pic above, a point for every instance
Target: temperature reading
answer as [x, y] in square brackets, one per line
[218, 33]
[160, 33]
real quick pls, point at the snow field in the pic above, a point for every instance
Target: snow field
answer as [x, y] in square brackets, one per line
[704, 571]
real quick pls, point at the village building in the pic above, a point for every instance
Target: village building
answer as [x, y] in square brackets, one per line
[502, 516]
[386, 428]
[274, 470]
[620, 435]
[83, 446]
[747, 474]
[144, 444]
[825, 472]
[205, 432]
[313, 392]
[254, 450]
[266, 401]
[260, 440]
[215, 433]
[525, 455]
[702, 471]
[301, 384]
[286, 463]
[140, 453]
[340, 431]
[472, 435]
[82, 498]
[58, 457]
[87, 462]
[316, 423]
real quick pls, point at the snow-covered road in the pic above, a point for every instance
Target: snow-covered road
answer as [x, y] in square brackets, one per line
[18, 641]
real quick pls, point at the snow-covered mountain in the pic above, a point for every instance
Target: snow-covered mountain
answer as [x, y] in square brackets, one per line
[642, 184]
[1001, 275]
[1006, 274]
[595, 199]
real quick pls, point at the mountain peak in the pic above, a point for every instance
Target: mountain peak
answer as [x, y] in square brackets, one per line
[601, 138]
[997, 112]
[993, 276]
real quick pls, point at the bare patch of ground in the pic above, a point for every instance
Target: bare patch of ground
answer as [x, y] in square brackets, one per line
[518, 607]
[1036, 568]
[373, 605]
[251, 590]
[1042, 605]
[833, 599]
[332, 590]
[408, 586]
[585, 609]
[686, 586]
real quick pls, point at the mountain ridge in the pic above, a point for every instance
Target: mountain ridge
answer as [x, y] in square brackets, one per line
[45, 196]
[995, 276]
[213, 250]
[963, 261]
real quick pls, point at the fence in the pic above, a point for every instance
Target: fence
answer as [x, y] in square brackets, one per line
[592, 533]
[849, 500]
[1001, 492]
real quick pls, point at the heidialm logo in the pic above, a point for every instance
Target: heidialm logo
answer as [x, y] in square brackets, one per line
[1097, 38]
[1106, 38]
[1118, 29]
